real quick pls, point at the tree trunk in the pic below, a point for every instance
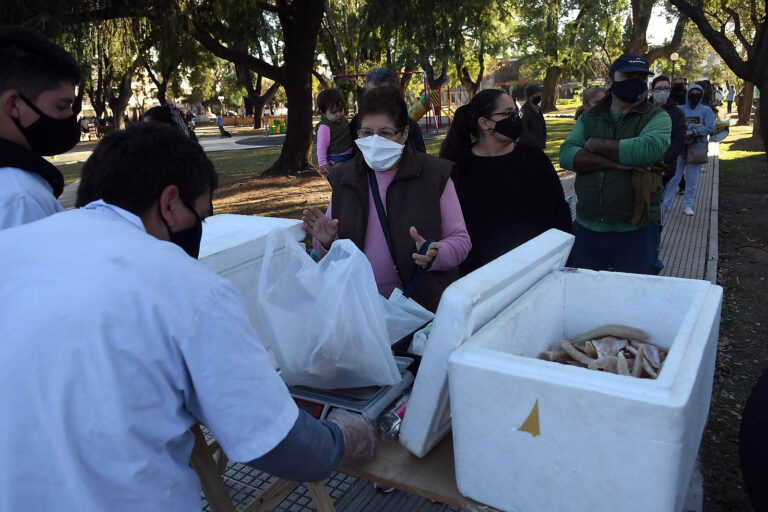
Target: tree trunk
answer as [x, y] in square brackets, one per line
[551, 89]
[745, 110]
[118, 103]
[259, 102]
[301, 25]
[296, 156]
[161, 89]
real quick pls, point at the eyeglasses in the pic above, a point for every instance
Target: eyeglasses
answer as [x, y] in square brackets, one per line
[508, 113]
[384, 132]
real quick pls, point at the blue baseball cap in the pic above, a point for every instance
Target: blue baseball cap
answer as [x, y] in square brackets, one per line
[630, 63]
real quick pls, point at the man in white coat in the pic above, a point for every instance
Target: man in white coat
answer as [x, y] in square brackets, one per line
[37, 91]
[114, 342]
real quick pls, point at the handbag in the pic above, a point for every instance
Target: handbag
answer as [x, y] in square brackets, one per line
[696, 154]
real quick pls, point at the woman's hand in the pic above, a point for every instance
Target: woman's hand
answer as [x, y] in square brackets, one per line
[319, 226]
[425, 259]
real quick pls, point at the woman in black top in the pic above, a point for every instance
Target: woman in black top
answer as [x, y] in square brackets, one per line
[509, 192]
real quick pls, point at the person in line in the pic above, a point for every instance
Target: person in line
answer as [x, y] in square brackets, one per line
[534, 127]
[509, 192]
[589, 98]
[37, 91]
[220, 123]
[169, 114]
[612, 148]
[700, 123]
[418, 200]
[677, 89]
[660, 96]
[334, 142]
[383, 77]
[122, 340]
[730, 98]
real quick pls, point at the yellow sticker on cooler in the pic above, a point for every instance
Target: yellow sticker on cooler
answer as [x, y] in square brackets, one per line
[531, 423]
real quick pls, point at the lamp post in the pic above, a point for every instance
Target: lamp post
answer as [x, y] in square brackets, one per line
[674, 58]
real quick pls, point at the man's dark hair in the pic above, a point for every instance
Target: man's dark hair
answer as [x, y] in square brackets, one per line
[380, 76]
[660, 78]
[384, 100]
[329, 98]
[532, 89]
[131, 168]
[32, 63]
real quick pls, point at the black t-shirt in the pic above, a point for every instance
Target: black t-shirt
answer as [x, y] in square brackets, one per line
[507, 200]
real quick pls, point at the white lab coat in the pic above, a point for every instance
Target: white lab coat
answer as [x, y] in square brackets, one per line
[112, 344]
[24, 197]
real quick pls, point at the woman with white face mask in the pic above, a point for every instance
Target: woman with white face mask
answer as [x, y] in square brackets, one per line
[416, 199]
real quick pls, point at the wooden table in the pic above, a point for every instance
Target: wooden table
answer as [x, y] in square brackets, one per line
[432, 477]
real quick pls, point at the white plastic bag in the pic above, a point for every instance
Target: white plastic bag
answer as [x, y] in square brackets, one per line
[325, 322]
[404, 315]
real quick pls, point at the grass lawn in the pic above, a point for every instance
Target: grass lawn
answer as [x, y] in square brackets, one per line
[742, 354]
[241, 165]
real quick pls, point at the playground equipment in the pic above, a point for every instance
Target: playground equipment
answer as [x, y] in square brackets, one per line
[274, 125]
[430, 104]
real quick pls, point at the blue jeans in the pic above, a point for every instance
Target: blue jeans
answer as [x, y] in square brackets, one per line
[656, 266]
[618, 251]
[691, 173]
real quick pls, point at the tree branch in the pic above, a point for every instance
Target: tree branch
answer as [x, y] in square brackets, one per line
[677, 39]
[737, 30]
[721, 45]
[269, 7]
[235, 56]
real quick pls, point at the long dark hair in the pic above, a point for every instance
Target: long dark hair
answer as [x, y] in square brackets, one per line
[464, 125]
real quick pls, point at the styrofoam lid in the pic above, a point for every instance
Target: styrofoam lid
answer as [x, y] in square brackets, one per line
[466, 306]
[225, 231]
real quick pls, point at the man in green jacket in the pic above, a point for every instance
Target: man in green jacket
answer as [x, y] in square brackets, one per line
[613, 148]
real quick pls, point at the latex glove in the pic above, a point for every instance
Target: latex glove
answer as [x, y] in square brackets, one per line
[359, 435]
[319, 226]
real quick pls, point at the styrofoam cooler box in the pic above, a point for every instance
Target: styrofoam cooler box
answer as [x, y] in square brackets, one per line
[466, 306]
[534, 435]
[233, 247]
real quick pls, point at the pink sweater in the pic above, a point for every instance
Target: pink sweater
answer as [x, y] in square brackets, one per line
[323, 139]
[455, 239]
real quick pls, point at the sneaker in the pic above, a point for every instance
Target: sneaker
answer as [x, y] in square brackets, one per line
[688, 211]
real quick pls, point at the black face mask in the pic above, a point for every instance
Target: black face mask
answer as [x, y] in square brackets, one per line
[537, 100]
[188, 239]
[510, 126]
[49, 136]
[694, 99]
[630, 91]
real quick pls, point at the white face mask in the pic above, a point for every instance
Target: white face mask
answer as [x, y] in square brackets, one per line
[661, 97]
[379, 153]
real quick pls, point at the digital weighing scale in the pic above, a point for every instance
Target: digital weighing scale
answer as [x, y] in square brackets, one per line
[369, 401]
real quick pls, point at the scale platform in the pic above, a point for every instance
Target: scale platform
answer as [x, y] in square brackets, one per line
[369, 401]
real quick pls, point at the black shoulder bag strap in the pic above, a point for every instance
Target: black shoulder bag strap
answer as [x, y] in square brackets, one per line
[418, 271]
